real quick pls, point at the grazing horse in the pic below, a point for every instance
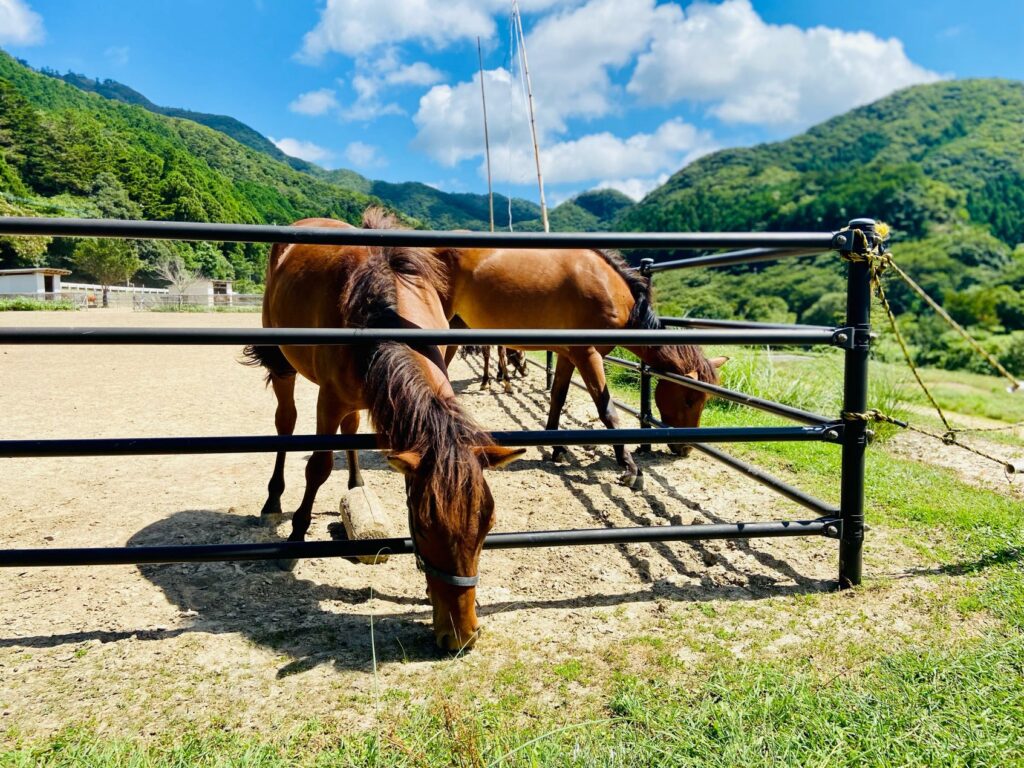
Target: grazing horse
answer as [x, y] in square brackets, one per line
[534, 288]
[438, 448]
[505, 356]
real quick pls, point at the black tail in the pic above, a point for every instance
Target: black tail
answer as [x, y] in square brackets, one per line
[269, 357]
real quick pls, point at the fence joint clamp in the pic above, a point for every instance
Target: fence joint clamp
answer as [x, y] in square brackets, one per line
[845, 338]
[834, 530]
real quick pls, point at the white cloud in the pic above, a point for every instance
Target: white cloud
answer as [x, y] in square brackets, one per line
[754, 72]
[19, 24]
[314, 102]
[634, 188]
[356, 27]
[377, 77]
[604, 156]
[304, 150]
[364, 155]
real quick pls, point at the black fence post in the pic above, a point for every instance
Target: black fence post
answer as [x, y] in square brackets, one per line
[645, 404]
[549, 369]
[855, 400]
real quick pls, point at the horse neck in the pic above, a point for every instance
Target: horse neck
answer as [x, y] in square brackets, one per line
[419, 305]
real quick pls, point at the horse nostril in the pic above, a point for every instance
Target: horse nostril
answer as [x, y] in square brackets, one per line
[444, 641]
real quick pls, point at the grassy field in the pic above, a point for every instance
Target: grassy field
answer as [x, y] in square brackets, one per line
[804, 679]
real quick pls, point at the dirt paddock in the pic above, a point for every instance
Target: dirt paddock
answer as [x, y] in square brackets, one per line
[130, 648]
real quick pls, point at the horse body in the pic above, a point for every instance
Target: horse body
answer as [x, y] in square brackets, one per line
[575, 289]
[439, 449]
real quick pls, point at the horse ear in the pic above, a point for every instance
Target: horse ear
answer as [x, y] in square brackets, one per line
[718, 362]
[405, 462]
[497, 456]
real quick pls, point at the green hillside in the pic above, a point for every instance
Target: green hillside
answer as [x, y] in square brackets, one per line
[68, 152]
[942, 163]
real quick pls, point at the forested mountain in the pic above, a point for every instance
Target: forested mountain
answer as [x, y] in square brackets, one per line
[68, 152]
[943, 164]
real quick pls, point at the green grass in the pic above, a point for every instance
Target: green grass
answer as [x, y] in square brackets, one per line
[932, 699]
[920, 707]
[24, 304]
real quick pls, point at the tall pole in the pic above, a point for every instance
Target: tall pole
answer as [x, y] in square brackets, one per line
[533, 122]
[487, 138]
[855, 400]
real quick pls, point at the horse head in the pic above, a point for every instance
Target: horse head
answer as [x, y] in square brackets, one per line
[679, 405]
[451, 511]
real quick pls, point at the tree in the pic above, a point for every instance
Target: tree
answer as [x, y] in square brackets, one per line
[179, 276]
[109, 261]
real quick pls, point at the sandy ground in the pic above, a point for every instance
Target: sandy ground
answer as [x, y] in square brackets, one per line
[131, 648]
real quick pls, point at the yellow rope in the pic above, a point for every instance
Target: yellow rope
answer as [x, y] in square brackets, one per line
[878, 262]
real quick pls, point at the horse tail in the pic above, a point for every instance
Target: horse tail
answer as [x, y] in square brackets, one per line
[270, 357]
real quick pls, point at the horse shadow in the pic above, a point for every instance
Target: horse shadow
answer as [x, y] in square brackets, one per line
[279, 610]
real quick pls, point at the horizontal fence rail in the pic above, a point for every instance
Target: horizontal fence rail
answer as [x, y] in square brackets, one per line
[287, 550]
[706, 322]
[779, 409]
[527, 337]
[263, 233]
[734, 258]
[749, 470]
[156, 446]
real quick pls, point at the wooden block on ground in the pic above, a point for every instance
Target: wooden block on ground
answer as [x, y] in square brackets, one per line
[364, 517]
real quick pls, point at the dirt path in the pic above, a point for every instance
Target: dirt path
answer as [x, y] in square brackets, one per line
[134, 648]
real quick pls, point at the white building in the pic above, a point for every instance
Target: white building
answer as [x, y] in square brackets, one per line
[41, 282]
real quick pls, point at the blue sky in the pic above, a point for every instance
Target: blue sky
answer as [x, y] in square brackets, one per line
[627, 90]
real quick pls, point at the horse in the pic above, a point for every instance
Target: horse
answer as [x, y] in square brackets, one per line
[569, 288]
[439, 449]
[505, 356]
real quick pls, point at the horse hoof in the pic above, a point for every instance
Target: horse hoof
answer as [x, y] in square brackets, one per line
[271, 519]
[560, 454]
[632, 480]
[271, 507]
[508, 388]
[286, 564]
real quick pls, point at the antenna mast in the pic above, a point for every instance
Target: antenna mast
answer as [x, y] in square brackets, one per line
[487, 138]
[518, 21]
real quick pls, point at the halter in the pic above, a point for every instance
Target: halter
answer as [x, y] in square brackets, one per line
[422, 564]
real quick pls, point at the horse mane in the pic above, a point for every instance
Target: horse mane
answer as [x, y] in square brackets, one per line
[643, 316]
[404, 407]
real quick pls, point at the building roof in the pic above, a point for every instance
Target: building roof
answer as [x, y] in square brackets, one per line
[35, 271]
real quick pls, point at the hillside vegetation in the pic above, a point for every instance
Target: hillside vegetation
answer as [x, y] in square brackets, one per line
[943, 164]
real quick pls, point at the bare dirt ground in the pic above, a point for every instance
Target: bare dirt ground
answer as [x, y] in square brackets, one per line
[133, 648]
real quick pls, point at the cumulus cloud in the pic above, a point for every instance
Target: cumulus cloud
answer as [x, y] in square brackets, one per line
[750, 71]
[375, 78]
[364, 155]
[304, 150]
[356, 27]
[604, 156]
[314, 103]
[19, 24]
[636, 189]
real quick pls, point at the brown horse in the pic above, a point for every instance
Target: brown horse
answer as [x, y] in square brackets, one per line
[533, 288]
[438, 448]
[505, 356]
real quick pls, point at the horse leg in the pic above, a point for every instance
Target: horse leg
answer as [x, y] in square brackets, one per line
[320, 464]
[284, 421]
[485, 380]
[349, 426]
[503, 370]
[559, 391]
[591, 367]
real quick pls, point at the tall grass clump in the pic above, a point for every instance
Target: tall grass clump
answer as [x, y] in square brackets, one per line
[25, 304]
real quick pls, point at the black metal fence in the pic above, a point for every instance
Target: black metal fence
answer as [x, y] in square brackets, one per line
[844, 523]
